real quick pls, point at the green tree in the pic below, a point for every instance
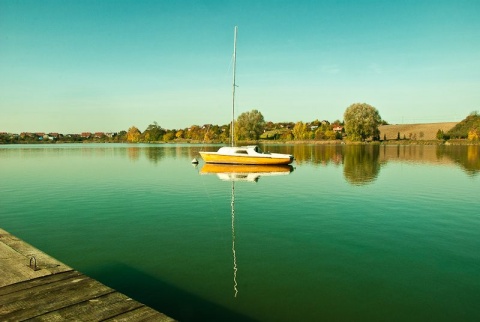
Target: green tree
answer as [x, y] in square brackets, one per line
[213, 133]
[320, 134]
[224, 135]
[209, 135]
[440, 134]
[194, 133]
[462, 129]
[361, 121]
[330, 135]
[300, 131]
[154, 132]
[249, 125]
[122, 136]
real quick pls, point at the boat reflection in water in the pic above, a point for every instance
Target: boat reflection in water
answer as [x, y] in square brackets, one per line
[233, 172]
[249, 173]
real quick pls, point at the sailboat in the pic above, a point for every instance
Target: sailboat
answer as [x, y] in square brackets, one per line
[250, 154]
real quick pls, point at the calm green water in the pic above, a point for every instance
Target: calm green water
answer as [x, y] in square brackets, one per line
[353, 233]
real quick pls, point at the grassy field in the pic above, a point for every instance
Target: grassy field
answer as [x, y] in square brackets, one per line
[420, 131]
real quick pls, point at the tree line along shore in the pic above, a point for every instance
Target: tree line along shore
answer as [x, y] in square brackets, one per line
[362, 123]
[421, 133]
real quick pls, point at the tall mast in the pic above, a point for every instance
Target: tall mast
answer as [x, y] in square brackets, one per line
[234, 85]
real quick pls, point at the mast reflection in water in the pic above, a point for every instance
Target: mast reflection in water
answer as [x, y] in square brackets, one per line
[233, 241]
[249, 173]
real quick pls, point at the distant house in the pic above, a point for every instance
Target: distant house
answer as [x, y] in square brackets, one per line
[39, 135]
[99, 135]
[337, 128]
[24, 135]
[53, 136]
[86, 135]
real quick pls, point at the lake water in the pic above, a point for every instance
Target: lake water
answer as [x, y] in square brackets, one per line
[349, 233]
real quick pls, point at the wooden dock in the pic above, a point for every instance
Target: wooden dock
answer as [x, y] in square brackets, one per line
[35, 286]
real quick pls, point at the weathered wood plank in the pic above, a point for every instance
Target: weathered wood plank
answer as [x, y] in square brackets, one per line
[15, 255]
[14, 266]
[51, 296]
[21, 286]
[41, 287]
[95, 309]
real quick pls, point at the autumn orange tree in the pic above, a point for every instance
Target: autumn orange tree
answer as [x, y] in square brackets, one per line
[133, 134]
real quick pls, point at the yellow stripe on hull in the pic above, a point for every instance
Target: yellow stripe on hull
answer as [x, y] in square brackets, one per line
[240, 159]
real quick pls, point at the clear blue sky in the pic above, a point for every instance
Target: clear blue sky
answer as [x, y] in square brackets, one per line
[72, 66]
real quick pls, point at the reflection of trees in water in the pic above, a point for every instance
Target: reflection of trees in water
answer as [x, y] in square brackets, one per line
[133, 153]
[468, 157]
[280, 148]
[361, 163]
[317, 154]
[155, 154]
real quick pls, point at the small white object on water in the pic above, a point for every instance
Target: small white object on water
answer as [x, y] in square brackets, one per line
[195, 161]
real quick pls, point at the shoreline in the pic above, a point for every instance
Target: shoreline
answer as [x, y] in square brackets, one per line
[392, 134]
[266, 142]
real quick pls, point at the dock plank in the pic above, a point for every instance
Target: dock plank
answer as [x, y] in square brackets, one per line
[15, 255]
[48, 297]
[95, 309]
[56, 292]
[21, 286]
